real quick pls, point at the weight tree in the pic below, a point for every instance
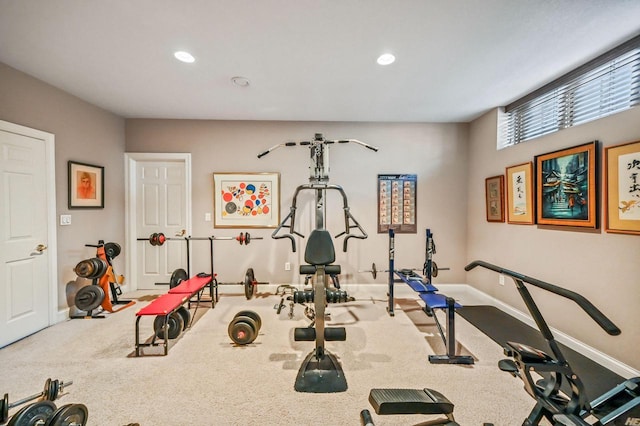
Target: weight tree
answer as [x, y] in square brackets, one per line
[320, 372]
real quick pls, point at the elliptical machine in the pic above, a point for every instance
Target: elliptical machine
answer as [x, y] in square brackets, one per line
[320, 372]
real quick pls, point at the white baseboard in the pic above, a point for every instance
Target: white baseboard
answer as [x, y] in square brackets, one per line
[601, 358]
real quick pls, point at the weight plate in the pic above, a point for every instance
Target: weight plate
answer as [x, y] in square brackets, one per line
[69, 415]
[374, 271]
[186, 316]
[230, 208]
[247, 238]
[89, 297]
[112, 250]
[4, 409]
[434, 269]
[253, 315]
[52, 387]
[242, 330]
[177, 277]
[33, 414]
[175, 323]
[249, 288]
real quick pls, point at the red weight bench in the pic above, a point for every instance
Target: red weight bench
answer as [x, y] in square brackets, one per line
[164, 306]
[168, 303]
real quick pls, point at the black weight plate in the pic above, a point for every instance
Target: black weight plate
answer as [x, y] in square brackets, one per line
[33, 414]
[89, 297]
[186, 316]
[434, 269]
[70, 414]
[112, 250]
[4, 409]
[177, 277]
[249, 288]
[374, 270]
[175, 323]
[242, 330]
[253, 315]
[51, 391]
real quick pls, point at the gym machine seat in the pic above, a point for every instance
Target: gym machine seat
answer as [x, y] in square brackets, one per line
[412, 401]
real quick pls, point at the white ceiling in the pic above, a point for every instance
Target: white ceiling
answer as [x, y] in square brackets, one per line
[308, 59]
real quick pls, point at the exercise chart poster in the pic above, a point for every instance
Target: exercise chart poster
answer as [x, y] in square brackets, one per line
[397, 208]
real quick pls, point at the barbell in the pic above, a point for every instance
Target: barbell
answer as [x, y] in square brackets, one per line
[158, 238]
[434, 270]
[52, 388]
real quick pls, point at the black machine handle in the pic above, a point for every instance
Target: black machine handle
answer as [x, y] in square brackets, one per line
[323, 141]
[601, 319]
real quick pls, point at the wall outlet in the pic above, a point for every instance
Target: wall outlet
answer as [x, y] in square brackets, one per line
[65, 219]
[207, 217]
[287, 266]
[501, 279]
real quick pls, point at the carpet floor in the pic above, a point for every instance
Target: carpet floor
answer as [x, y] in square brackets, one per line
[207, 380]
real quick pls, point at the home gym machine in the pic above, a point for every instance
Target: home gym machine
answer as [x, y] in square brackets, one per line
[320, 372]
[619, 406]
[105, 287]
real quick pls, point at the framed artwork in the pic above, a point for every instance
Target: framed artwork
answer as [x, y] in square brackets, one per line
[86, 186]
[494, 194]
[397, 207]
[622, 188]
[246, 200]
[520, 209]
[566, 187]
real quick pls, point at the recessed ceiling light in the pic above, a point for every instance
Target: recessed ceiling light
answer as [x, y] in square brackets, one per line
[386, 59]
[240, 81]
[184, 57]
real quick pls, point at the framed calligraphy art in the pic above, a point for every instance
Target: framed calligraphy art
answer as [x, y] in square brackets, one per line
[520, 194]
[622, 188]
[566, 187]
[246, 200]
[494, 195]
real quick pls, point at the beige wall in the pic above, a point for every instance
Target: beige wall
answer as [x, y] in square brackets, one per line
[435, 152]
[83, 133]
[603, 267]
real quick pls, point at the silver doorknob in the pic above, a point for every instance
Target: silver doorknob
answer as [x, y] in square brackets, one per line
[40, 248]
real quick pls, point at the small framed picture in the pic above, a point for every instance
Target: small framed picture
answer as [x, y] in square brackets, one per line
[494, 193]
[86, 186]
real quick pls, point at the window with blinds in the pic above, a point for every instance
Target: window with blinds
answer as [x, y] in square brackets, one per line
[604, 86]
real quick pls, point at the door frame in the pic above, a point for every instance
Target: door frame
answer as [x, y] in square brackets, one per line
[52, 232]
[131, 160]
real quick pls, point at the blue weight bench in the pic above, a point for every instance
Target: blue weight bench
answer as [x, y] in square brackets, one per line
[428, 293]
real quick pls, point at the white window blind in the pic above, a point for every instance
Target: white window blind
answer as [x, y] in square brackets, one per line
[604, 86]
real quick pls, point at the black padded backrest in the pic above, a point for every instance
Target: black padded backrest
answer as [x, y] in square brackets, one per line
[319, 250]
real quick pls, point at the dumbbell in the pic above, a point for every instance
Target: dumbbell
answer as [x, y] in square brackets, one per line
[52, 388]
[244, 327]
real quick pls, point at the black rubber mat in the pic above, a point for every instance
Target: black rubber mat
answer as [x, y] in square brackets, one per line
[502, 327]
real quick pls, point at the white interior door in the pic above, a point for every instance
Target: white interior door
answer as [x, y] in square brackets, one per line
[25, 264]
[160, 195]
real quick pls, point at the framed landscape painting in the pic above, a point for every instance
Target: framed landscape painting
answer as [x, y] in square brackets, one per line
[566, 187]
